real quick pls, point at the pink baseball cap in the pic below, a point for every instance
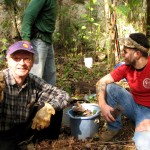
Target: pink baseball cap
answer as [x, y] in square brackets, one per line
[20, 45]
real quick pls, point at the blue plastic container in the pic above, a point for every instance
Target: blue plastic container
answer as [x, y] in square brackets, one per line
[84, 127]
[119, 64]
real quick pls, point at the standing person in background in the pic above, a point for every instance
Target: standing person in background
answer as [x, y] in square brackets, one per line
[38, 25]
[134, 104]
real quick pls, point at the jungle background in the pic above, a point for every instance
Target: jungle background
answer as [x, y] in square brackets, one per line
[84, 28]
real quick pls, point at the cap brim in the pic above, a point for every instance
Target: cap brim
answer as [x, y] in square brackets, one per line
[9, 53]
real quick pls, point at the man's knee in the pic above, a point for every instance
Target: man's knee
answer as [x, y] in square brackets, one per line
[141, 140]
[53, 131]
[55, 126]
[143, 126]
[110, 87]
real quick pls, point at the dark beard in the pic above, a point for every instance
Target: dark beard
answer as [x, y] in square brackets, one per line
[132, 63]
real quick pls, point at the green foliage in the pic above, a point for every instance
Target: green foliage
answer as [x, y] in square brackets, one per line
[3, 48]
[131, 10]
[92, 98]
[71, 69]
[9, 2]
[84, 31]
[4, 44]
[79, 1]
[124, 10]
[11, 5]
[148, 27]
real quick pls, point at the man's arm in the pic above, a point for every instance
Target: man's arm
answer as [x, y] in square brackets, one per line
[101, 92]
[29, 16]
[101, 88]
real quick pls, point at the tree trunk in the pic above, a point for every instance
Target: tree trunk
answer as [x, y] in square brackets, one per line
[111, 29]
[107, 23]
[148, 19]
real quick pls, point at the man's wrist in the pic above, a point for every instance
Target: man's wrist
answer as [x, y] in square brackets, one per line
[101, 103]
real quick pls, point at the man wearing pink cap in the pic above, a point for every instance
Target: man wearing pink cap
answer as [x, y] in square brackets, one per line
[29, 105]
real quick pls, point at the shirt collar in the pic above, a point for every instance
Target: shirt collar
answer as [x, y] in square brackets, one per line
[12, 80]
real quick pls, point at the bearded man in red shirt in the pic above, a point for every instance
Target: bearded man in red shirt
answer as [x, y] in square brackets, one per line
[134, 104]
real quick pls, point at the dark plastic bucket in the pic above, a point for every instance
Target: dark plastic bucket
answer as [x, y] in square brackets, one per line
[84, 127]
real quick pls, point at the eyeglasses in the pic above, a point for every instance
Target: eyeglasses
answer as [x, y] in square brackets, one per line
[25, 60]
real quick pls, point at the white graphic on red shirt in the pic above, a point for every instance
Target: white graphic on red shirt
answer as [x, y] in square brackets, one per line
[146, 83]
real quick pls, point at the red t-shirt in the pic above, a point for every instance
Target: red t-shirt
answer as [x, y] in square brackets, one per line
[139, 82]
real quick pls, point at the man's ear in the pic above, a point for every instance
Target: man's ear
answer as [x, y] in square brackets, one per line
[138, 54]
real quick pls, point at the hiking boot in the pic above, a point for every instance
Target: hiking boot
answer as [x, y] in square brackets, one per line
[108, 135]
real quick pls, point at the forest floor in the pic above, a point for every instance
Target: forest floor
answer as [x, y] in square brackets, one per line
[78, 80]
[75, 78]
[123, 141]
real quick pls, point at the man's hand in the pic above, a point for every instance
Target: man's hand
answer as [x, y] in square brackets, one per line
[101, 94]
[106, 113]
[43, 117]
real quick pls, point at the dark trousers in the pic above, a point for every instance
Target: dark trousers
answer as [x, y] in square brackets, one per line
[11, 139]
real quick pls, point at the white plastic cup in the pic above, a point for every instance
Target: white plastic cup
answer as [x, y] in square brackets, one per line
[88, 62]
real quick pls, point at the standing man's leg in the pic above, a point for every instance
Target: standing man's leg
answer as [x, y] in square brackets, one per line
[49, 74]
[44, 66]
[41, 52]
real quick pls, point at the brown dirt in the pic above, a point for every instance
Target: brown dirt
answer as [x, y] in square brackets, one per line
[123, 141]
